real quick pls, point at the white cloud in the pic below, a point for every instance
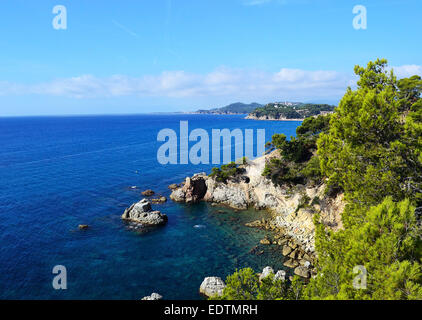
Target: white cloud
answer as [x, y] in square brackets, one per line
[233, 84]
[407, 71]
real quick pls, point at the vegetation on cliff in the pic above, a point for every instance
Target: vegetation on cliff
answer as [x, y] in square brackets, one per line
[282, 111]
[371, 149]
[234, 108]
[298, 162]
[227, 171]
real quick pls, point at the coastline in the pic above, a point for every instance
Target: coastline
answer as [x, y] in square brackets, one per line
[290, 220]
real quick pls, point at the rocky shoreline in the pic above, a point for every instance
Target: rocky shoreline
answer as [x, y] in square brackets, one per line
[292, 208]
[253, 117]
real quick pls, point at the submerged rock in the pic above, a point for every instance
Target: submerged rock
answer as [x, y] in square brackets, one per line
[148, 193]
[212, 286]
[142, 213]
[161, 199]
[173, 186]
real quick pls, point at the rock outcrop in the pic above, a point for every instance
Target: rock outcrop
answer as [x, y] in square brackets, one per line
[293, 208]
[160, 199]
[142, 213]
[153, 296]
[212, 286]
[192, 191]
[280, 275]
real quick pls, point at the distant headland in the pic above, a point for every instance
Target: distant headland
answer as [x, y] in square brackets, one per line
[272, 111]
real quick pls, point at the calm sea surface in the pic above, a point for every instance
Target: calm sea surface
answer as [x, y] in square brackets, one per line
[59, 172]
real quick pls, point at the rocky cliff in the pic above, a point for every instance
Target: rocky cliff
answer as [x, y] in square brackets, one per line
[292, 208]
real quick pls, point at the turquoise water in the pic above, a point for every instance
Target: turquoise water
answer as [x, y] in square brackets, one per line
[59, 172]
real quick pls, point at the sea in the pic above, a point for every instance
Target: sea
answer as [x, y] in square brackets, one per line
[59, 172]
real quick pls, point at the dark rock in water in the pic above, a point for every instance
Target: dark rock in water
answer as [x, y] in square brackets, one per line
[142, 213]
[253, 250]
[148, 193]
[83, 226]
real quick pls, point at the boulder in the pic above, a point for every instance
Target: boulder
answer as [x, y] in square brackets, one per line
[212, 286]
[266, 272]
[302, 271]
[83, 226]
[173, 186]
[193, 190]
[161, 199]
[153, 296]
[280, 275]
[142, 213]
[287, 250]
[148, 193]
[293, 254]
[291, 263]
[265, 241]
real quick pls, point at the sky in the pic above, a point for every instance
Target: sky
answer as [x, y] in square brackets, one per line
[142, 56]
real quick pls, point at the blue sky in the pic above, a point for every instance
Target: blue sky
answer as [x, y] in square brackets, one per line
[178, 55]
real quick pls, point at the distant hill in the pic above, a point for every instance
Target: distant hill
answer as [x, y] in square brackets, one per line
[234, 108]
[289, 111]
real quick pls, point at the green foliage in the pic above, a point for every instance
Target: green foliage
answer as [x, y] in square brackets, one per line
[410, 92]
[387, 244]
[236, 108]
[227, 171]
[312, 170]
[298, 111]
[244, 284]
[241, 285]
[298, 163]
[313, 125]
[372, 149]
